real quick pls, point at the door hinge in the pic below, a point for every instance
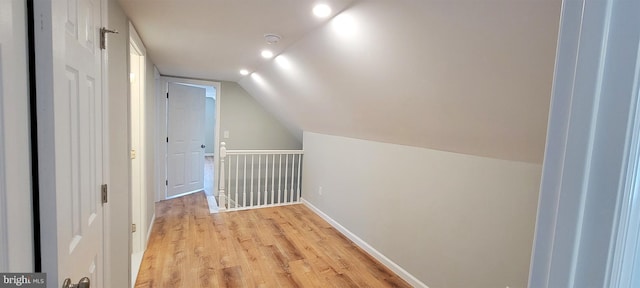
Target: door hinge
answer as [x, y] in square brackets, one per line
[103, 36]
[166, 182]
[133, 228]
[104, 193]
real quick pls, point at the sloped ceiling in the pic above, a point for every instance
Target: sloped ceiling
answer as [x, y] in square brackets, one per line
[467, 76]
[214, 39]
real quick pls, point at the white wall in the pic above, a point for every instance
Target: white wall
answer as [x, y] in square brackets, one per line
[119, 196]
[451, 220]
[210, 125]
[16, 236]
[250, 126]
[150, 143]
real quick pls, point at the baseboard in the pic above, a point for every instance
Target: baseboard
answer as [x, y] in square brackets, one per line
[367, 248]
[213, 205]
[153, 220]
[136, 261]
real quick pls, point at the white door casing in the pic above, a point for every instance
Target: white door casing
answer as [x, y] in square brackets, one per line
[186, 135]
[137, 143]
[71, 119]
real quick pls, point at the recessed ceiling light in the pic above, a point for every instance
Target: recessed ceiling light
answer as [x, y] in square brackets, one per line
[244, 72]
[267, 54]
[322, 10]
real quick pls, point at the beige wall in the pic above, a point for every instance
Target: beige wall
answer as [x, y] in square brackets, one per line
[451, 220]
[461, 76]
[250, 126]
[119, 198]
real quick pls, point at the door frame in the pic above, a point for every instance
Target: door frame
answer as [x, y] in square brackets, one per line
[137, 46]
[587, 208]
[162, 118]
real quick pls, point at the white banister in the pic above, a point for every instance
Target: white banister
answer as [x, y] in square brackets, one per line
[299, 176]
[222, 197]
[280, 179]
[293, 161]
[252, 180]
[259, 189]
[244, 183]
[286, 168]
[266, 178]
[237, 169]
[273, 171]
[259, 168]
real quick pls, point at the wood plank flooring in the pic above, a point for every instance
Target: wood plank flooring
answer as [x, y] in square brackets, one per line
[286, 246]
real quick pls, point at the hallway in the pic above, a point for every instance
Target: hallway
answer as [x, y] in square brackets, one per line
[287, 246]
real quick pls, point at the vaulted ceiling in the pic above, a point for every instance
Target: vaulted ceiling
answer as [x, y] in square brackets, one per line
[467, 76]
[214, 39]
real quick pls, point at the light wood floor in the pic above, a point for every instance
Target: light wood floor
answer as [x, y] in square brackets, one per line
[287, 246]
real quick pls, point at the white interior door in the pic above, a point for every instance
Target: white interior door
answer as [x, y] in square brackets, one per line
[70, 132]
[186, 139]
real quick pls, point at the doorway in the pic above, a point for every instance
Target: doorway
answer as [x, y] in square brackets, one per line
[138, 153]
[210, 136]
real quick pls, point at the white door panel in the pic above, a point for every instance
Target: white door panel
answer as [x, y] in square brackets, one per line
[80, 155]
[186, 137]
[77, 115]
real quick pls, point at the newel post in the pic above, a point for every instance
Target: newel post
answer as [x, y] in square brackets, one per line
[222, 197]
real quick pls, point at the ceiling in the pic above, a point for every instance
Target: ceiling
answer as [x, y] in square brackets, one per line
[214, 39]
[466, 76]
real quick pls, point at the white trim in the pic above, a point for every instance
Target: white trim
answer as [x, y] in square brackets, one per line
[588, 140]
[153, 221]
[213, 204]
[241, 152]
[138, 194]
[209, 154]
[137, 257]
[161, 133]
[367, 248]
[623, 251]
[137, 41]
[136, 262]
[184, 194]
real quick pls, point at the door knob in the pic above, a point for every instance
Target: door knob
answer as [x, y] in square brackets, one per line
[83, 283]
[202, 146]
